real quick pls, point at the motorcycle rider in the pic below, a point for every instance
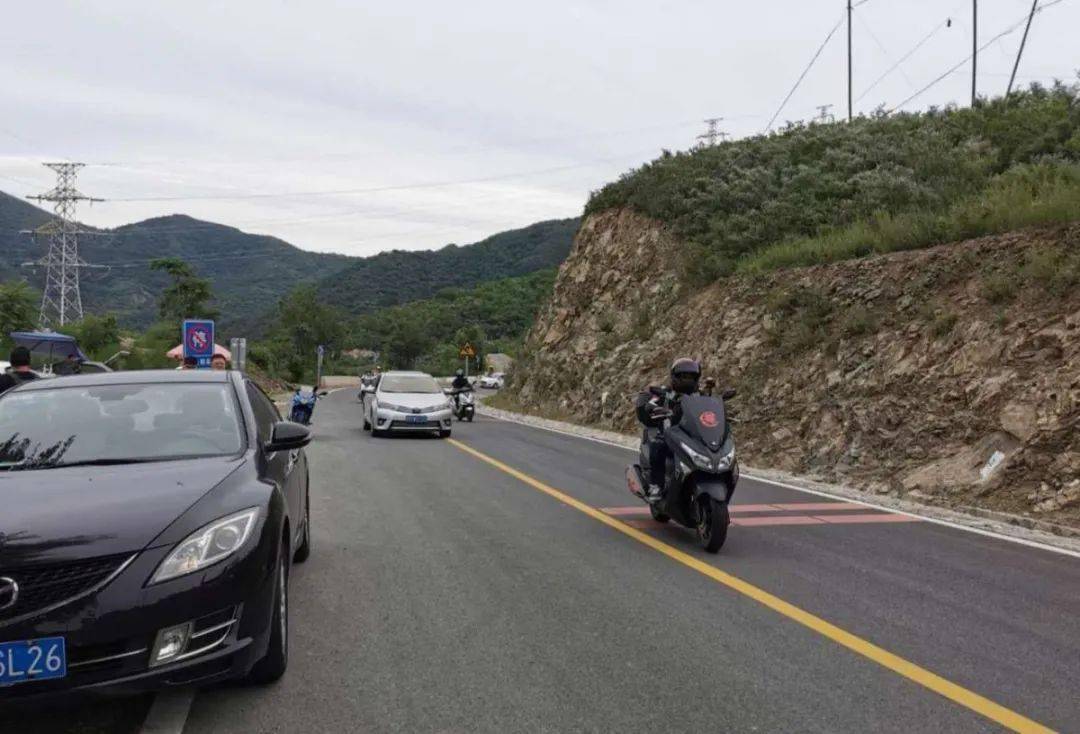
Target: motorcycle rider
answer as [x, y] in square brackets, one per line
[685, 377]
[459, 385]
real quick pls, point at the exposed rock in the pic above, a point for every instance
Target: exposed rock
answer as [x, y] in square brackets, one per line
[912, 383]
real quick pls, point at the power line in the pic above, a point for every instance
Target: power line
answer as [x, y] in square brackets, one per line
[806, 71]
[377, 189]
[963, 61]
[905, 57]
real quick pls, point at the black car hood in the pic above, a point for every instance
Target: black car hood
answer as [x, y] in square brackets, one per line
[61, 514]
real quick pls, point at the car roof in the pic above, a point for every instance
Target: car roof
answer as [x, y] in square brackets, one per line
[406, 373]
[129, 377]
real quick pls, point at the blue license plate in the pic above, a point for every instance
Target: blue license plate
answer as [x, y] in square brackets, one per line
[415, 419]
[27, 660]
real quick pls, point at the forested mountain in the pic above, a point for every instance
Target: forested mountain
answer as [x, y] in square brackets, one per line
[392, 278]
[249, 273]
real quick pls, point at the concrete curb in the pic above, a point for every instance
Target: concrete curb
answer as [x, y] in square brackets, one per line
[1025, 530]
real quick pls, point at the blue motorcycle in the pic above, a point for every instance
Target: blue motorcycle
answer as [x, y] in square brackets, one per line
[303, 405]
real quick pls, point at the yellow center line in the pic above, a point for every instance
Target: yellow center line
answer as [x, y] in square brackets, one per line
[968, 699]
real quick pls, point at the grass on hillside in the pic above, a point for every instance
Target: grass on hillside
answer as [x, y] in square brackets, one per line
[1035, 194]
[822, 192]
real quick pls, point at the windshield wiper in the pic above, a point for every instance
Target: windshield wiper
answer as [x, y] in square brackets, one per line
[32, 465]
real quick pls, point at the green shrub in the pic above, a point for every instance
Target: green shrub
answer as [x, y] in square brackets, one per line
[999, 287]
[943, 324]
[822, 193]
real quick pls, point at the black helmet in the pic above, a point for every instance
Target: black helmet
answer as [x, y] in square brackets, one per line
[20, 357]
[685, 374]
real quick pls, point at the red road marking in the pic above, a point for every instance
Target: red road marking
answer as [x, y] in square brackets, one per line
[817, 506]
[845, 519]
[753, 508]
[620, 511]
[645, 524]
[778, 520]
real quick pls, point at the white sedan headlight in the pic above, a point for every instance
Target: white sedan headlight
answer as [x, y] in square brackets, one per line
[208, 545]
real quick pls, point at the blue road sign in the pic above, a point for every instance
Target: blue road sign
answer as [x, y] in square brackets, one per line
[198, 340]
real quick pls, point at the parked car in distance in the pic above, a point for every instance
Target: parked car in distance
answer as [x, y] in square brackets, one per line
[150, 522]
[407, 402]
[494, 381]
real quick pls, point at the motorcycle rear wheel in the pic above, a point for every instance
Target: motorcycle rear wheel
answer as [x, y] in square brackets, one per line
[712, 523]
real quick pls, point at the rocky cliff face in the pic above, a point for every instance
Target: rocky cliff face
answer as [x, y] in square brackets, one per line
[949, 375]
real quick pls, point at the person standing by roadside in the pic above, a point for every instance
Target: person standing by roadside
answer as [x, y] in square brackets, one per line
[218, 362]
[20, 370]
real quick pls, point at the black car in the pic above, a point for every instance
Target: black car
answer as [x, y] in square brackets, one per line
[148, 522]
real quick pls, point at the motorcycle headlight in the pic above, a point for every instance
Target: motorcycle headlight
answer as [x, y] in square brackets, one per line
[207, 545]
[700, 460]
[726, 460]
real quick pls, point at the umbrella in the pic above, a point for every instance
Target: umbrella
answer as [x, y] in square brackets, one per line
[177, 352]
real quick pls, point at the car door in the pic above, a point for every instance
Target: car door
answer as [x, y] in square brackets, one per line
[284, 468]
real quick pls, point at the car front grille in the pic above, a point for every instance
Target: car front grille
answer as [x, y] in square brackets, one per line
[49, 585]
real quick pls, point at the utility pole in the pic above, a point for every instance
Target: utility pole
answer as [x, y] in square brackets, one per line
[708, 138]
[824, 116]
[1023, 41]
[974, 47]
[61, 301]
[850, 104]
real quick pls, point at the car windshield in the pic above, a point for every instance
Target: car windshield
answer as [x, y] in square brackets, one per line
[409, 383]
[105, 424]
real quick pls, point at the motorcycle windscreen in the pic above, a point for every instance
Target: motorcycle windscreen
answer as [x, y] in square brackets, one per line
[703, 418]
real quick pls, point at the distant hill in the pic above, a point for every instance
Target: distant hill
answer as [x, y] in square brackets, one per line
[393, 278]
[249, 273]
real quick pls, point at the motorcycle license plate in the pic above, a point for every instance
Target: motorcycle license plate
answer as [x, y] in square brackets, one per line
[415, 419]
[27, 660]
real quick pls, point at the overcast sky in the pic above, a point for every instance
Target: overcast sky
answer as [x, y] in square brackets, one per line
[359, 127]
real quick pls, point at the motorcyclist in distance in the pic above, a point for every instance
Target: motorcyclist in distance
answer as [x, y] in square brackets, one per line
[461, 382]
[685, 377]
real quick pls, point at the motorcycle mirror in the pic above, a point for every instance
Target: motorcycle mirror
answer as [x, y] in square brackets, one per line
[323, 393]
[728, 394]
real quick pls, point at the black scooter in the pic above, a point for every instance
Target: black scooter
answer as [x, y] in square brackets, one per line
[701, 471]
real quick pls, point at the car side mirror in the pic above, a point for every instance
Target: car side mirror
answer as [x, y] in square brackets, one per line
[288, 436]
[728, 393]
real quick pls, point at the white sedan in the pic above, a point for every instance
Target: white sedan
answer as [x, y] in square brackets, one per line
[406, 401]
[494, 381]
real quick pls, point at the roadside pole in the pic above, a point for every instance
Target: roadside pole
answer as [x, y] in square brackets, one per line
[318, 366]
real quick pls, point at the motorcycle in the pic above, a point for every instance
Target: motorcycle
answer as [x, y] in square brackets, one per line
[302, 407]
[464, 405]
[701, 469]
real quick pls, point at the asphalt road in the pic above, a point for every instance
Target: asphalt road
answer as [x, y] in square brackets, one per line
[446, 594]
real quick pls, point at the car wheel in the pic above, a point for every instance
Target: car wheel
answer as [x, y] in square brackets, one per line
[273, 664]
[304, 550]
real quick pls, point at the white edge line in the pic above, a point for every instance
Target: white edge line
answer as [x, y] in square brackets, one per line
[169, 712]
[821, 493]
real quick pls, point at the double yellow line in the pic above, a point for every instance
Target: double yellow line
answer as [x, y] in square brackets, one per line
[968, 699]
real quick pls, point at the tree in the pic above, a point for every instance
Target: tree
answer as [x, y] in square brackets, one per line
[98, 336]
[189, 295]
[18, 310]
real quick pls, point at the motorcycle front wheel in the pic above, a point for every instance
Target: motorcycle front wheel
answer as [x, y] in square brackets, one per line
[712, 522]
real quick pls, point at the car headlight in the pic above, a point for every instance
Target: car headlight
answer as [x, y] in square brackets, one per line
[207, 545]
[435, 408]
[396, 408]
